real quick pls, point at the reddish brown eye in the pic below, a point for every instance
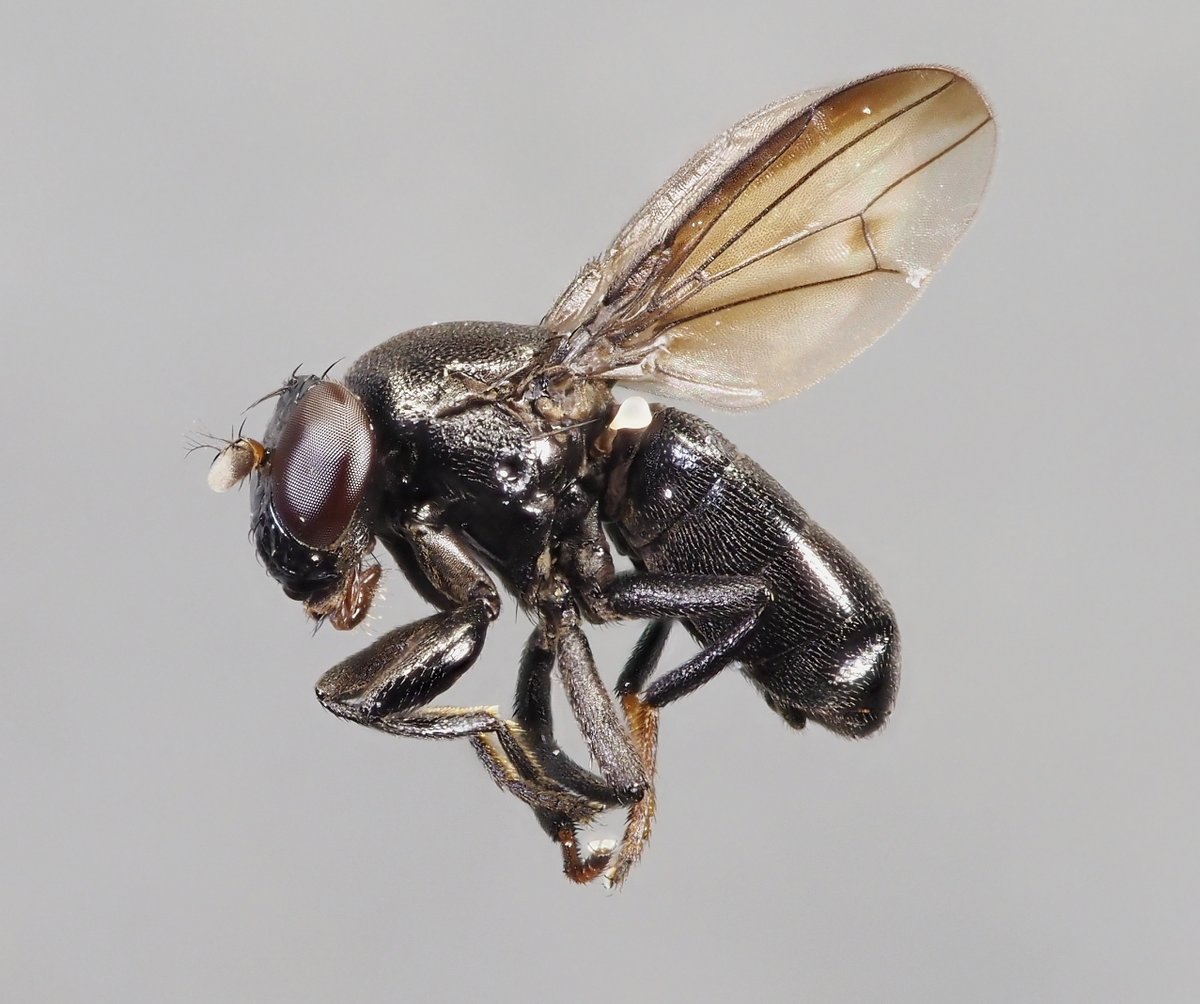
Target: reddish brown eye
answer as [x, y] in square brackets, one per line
[321, 464]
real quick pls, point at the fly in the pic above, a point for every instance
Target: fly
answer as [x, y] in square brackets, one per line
[479, 453]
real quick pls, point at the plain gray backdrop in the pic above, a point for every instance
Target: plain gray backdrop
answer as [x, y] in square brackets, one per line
[195, 198]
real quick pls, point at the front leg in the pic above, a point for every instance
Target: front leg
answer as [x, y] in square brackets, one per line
[387, 685]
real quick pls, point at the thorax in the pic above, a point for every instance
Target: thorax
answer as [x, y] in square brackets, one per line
[476, 436]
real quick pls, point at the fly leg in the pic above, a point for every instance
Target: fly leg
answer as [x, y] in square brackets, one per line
[640, 594]
[643, 723]
[386, 686]
[532, 713]
[605, 734]
[606, 596]
[738, 600]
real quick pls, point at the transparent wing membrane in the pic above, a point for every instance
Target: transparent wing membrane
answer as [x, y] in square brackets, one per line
[788, 245]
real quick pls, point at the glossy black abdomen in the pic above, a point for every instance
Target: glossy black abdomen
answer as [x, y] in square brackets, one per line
[826, 647]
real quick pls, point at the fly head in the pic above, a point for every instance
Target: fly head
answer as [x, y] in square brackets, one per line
[314, 475]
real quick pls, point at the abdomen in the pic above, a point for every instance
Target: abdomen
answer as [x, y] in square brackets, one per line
[826, 647]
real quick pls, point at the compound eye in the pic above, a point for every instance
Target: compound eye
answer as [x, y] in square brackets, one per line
[321, 465]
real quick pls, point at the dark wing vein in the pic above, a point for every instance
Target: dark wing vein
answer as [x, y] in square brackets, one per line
[758, 217]
[766, 166]
[753, 259]
[777, 292]
[921, 167]
[800, 238]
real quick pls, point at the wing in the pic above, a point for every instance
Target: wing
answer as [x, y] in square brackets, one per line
[786, 246]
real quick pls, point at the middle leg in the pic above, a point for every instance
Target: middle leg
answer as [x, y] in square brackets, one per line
[533, 715]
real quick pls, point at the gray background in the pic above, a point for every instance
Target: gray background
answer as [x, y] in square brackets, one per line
[197, 198]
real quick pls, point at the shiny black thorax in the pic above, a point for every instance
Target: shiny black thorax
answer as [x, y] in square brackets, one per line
[465, 445]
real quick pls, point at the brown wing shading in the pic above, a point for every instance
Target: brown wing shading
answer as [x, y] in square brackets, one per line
[788, 245]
